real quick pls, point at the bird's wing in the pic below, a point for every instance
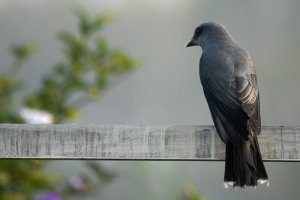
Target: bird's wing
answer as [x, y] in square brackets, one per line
[234, 105]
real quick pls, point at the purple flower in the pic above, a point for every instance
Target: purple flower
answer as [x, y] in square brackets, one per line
[49, 196]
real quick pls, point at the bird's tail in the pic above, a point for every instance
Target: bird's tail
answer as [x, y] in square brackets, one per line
[244, 165]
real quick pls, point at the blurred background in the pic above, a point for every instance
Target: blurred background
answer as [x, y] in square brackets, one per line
[125, 62]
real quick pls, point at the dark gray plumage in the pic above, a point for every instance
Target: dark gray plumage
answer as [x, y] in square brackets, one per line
[230, 87]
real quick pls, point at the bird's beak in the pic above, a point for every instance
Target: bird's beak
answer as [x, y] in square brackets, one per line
[192, 43]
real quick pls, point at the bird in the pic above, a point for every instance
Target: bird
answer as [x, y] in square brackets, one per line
[229, 84]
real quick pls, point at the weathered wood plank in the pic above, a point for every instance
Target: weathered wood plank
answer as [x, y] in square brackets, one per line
[135, 142]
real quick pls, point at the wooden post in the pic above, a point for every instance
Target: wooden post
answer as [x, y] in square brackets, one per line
[122, 142]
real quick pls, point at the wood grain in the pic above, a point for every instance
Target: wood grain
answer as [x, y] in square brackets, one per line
[122, 142]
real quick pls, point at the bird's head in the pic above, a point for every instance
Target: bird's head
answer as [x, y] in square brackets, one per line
[209, 31]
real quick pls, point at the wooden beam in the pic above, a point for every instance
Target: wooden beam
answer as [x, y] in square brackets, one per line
[122, 142]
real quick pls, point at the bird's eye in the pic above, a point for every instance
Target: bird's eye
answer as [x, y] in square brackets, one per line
[198, 31]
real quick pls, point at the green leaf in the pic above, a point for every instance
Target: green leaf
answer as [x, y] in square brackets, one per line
[101, 20]
[85, 26]
[72, 114]
[21, 52]
[60, 69]
[77, 83]
[121, 63]
[101, 47]
[102, 78]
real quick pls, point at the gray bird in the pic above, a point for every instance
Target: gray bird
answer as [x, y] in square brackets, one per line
[230, 87]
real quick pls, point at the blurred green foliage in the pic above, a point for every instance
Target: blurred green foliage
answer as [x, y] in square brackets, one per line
[10, 85]
[190, 193]
[84, 74]
[18, 179]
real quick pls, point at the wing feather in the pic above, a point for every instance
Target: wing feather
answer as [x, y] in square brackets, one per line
[234, 105]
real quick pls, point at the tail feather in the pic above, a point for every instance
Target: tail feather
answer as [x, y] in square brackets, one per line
[244, 165]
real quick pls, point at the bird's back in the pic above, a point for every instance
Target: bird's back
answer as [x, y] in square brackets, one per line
[223, 60]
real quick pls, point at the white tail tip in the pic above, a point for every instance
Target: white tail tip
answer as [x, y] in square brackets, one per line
[231, 183]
